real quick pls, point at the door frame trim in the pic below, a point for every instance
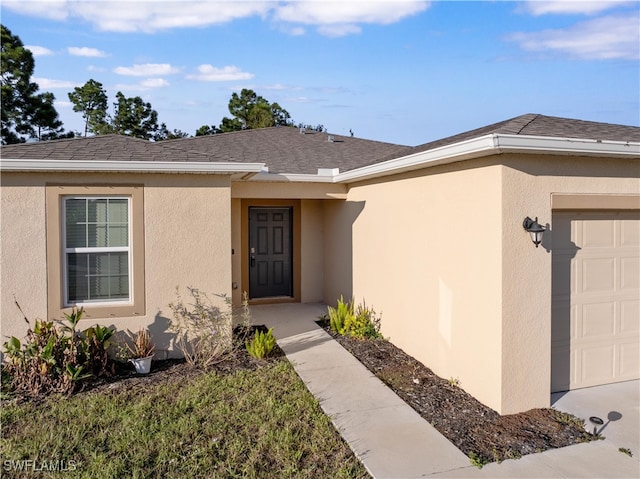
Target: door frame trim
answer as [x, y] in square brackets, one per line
[296, 229]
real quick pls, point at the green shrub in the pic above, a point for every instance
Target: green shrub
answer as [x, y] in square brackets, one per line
[98, 341]
[360, 322]
[262, 344]
[364, 324]
[340, 315]
[478, 460]
[56, 360]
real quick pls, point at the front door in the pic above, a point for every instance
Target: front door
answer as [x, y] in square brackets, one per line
[270, 252]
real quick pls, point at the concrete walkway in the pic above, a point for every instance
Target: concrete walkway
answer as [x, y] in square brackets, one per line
[388, 436]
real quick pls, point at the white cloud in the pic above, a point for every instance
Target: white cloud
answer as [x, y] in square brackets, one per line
[543, 7]
[63, 104]
[51, 9]
[348, 11]
[227, 73]
[610, 37]
[151, 16]
[154, 83]
[48, 84]
[147, 70]
[38, 51]
[340, 30]
[142, 15]
[130, 87]
[279, 87]
[293, 31]
[86, 52]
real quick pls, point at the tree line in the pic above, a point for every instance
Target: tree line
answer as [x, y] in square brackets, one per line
[27, 114]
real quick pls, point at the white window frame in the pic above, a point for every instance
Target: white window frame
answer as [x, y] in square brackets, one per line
[127, 249]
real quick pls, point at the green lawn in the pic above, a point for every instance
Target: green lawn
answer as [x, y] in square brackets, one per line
[261, 423]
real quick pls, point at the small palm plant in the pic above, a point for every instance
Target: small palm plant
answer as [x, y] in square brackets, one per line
[141, 350]
[142, 346]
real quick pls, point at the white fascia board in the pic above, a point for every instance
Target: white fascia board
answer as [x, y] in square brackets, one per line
[243, 170]
[566, 146]
[494, 144]
[293, 177]
[445, 154]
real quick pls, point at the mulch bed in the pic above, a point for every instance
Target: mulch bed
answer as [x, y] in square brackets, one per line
[477, 430]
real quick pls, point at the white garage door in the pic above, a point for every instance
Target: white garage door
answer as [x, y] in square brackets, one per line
[596, 298]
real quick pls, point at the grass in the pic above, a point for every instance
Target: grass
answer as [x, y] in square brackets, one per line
[253, 424]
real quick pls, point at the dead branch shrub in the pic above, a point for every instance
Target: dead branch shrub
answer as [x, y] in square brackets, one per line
[204, 329]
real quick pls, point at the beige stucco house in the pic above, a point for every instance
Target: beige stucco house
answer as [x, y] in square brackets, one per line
[431, 236]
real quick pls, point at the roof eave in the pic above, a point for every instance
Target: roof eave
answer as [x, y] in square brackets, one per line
[493, 144]
[265, 176]
[236, 170]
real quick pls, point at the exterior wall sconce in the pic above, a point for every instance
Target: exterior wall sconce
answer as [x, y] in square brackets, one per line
[535, 229]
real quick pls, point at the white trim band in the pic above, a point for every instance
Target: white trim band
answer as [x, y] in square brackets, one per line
[202, 167]
[493, 144]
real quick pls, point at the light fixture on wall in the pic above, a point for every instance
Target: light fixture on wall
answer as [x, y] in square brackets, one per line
[535, 229]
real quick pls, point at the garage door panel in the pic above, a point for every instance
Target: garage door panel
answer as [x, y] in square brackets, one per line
[630, 273]
[598, 234]
[596, 298]
[630, 316]
[629, 359]
[598, 275]
[597, 365]
[598, 321]
[630, 233]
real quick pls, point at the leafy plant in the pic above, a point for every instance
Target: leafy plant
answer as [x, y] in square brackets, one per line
[204, 330]
[478, 460]
[55, 359]
[364, 324]
[359, 322]
[453, 382]
[339, 315]
[98, 342]
[262, 344]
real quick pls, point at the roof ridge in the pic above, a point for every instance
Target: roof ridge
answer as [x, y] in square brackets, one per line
[535, 117]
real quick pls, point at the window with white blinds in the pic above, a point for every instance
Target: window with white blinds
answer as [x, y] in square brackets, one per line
[96, 249]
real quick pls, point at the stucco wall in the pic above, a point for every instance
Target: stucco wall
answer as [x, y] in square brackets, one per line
[312, 251]
[187, 231]
[23, 254]
[443, 255]
[528, 184]
[339, 218]
[236, 246]
[427, 255]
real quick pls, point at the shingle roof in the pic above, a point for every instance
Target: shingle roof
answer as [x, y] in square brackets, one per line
[532, 124]
[288, 150]
[102, 148]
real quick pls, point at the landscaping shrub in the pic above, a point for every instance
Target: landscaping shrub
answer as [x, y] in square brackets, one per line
[364, 324]
[340, 315]
[360, 322]
[262, 344]
[56, 359]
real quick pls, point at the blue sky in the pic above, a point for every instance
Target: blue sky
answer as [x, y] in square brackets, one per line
[405, 72]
